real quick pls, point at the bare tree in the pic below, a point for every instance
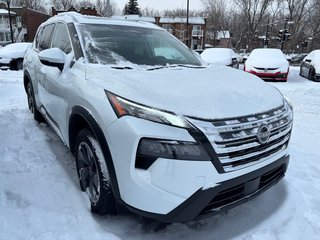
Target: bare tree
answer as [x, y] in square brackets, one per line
[217, 18]
[33, 4]
[149, 12]
[253, 12]
[106, 8]
[84, 4]
[297, 11]
[63, 4]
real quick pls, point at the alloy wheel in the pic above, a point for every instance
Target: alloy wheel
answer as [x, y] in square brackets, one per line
[88, 172]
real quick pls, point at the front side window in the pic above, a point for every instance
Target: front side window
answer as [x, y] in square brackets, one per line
[45, 37]
[111, 44]
[61, 38]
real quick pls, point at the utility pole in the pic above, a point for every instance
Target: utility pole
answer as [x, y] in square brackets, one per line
[188, 38]
[267, 36]
[10, 23]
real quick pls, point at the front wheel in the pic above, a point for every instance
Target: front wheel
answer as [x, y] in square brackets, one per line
[19, 64]
[311, 74]
[93, 173]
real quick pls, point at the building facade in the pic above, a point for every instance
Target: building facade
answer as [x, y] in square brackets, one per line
[191, 31]
[24, 21]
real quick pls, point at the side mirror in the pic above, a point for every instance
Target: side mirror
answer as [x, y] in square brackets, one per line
[53, 57]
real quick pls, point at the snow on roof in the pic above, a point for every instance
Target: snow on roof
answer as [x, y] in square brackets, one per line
[223, 34]
[192, 20]
[218, 34]
[4, 11]
[69, 17]
[134, 18]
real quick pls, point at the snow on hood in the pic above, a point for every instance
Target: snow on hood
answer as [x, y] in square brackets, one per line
[14, 50]
[267, 58]
[209, 93]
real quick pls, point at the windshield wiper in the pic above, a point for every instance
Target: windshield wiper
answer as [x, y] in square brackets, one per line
[174, 66]
[122, 68]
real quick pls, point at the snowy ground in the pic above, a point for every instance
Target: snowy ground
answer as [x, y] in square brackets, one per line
[40, 197]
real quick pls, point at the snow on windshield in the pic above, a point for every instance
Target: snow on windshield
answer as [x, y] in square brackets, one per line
[266, 53]
[111, 44]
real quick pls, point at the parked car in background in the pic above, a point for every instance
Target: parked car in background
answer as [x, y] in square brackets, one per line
[297, 59]
[220, 56]
[199, 51]
[153, 129]
[11, 56]
[310, 66]
[268, 64]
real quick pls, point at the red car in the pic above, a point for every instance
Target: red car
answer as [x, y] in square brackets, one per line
[268, 64]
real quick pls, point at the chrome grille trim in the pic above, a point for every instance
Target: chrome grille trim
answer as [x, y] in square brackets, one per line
[235, 140]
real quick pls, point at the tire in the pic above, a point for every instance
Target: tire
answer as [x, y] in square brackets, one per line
[19, 64]
[311, 74]
[32, 104]
[93, 173]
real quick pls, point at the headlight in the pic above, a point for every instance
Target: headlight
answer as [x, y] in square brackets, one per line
[123, 107]
[149, 150]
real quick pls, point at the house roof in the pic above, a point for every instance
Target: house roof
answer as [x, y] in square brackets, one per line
[192, 20]
[4, 11]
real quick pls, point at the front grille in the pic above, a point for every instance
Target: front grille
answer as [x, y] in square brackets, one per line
[266, 69]
[238, 192]
[235, 140]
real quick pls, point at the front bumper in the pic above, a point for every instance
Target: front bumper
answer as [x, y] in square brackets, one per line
[173, 190]
[4, 66]
[226, 195]
[278, 76]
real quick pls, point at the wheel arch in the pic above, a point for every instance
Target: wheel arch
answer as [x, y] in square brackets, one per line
[80, 118]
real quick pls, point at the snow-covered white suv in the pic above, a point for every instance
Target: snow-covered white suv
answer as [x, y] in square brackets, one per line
[153, 128]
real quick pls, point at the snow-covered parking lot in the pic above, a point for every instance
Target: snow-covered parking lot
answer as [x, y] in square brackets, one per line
[40, 198]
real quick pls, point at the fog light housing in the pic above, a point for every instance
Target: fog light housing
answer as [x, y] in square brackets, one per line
[149, 150]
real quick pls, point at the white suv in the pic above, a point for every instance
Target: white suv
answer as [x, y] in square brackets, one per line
[153, 128]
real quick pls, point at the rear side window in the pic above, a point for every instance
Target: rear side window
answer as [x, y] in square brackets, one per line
[61, 38]
[45, 37]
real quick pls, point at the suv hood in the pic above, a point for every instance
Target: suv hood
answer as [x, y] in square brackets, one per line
[213, 92]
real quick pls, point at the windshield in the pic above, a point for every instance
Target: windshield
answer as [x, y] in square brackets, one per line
[112, 44]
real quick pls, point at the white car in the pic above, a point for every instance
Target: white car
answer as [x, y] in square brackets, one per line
[220, 56]
[310, 66]
[268, 64]
[154, 129]
[11, 56]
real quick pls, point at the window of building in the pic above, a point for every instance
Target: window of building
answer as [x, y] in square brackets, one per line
[61, 38]
[196, 30]
[167, 27]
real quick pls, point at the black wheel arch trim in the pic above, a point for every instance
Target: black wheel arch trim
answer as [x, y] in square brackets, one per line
[98, 133]
[26, 74]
